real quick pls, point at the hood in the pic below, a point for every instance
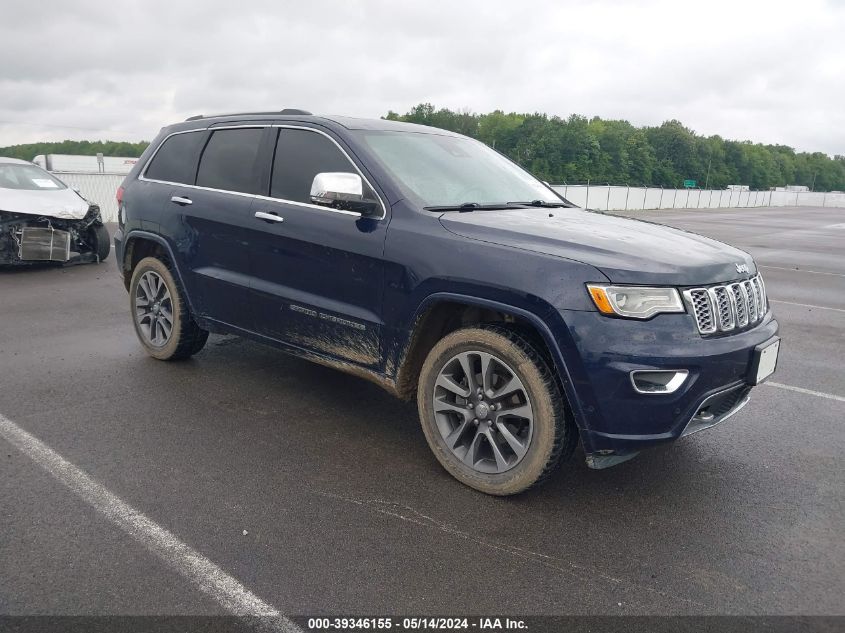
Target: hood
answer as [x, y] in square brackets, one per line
[63, 204]
[625, 250]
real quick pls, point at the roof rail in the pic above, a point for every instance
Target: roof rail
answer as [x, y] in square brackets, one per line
[197, 117]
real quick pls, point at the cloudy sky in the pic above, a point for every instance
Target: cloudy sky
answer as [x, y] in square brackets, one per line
[768, 71]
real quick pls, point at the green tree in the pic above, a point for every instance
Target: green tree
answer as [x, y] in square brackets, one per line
[84, 148]
[576, 149]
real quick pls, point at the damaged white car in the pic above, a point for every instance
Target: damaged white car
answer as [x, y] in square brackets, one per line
[43, 220]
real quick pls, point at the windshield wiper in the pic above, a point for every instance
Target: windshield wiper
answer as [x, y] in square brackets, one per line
[467, 206]
[476, 206]
[540, 203]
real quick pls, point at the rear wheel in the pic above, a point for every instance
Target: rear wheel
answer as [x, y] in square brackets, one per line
[101, 241]
[492, 411]
[160, 313]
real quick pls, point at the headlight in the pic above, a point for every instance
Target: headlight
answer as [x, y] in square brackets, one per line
[635, 302]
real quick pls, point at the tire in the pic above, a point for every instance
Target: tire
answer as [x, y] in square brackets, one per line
[101, 241]
[153, 277]
[544, 436]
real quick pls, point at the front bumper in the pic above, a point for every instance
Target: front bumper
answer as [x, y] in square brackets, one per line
[27, 239]
[614, 419]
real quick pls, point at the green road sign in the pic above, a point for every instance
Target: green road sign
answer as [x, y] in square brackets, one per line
[689, 184]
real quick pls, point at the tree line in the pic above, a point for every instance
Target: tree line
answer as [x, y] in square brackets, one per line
[577, 149]
[83, 148]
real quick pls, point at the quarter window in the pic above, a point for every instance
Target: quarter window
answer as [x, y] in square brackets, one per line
[301, 155]
[229, 161]
[176, 159]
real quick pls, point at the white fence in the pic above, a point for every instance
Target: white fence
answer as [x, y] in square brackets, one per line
[98, 188]
[101, 188]
[622, 198]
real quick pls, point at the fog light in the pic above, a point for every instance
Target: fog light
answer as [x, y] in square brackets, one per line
[658, 381]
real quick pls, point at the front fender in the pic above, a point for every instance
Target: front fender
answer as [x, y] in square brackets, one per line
[553, 330]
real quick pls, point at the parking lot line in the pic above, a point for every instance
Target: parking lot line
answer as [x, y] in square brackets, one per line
[203, 573]
[801, 270]
[806, 305]
[820, 394]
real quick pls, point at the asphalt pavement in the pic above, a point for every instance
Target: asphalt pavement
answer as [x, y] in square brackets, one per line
[316, 491]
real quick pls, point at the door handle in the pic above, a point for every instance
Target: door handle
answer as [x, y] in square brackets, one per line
[269, 216]
[184, 202]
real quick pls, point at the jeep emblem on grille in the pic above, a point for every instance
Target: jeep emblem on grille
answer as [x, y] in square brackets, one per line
[741, 268]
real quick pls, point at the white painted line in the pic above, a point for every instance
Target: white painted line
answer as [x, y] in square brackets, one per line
[204, 574]
[801, 270]
[809, 392]
[806, 305]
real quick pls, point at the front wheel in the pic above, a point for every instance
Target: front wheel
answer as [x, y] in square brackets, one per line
[101, 241]
[492, 411]
[160, 313]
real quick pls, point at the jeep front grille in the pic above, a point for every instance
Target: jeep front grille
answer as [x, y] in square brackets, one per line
[727, 307]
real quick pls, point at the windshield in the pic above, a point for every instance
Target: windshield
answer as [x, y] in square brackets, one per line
[30, 177]
[451, 171]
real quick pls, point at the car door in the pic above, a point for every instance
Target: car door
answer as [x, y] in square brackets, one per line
[211, 219]
[317, 271]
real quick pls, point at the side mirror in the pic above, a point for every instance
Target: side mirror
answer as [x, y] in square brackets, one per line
[341, 190]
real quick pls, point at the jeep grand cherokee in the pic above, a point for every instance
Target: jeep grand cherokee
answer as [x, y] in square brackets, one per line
[434, 266]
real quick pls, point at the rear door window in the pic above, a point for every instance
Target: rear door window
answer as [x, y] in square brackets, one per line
[176, 159]
[301, 155]
[229, 161]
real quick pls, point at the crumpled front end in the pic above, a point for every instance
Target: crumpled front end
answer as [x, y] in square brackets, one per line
[31, 239]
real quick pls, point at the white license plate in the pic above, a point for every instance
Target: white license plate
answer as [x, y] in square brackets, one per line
[768, 361]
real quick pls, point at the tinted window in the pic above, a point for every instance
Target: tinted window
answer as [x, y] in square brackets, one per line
[301, 155]
[176, 159]
[228, 161]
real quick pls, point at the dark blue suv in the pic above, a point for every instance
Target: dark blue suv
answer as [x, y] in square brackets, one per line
[429, 263]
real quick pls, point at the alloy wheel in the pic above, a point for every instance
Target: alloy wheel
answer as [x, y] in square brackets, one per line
[483, 412]
[154, 309]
